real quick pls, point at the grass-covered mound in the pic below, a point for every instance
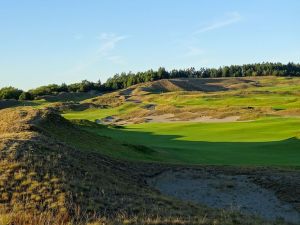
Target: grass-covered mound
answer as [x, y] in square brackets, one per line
[44, 179]
[40, 173]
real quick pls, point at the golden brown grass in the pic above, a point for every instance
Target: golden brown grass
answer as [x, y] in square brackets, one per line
[45, 181]
[170, 97]
[191, 112]
[53, 218]
[109, 100]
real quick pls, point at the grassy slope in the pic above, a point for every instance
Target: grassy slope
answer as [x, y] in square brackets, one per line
[266, 141]
[41, 171]
[270, 95]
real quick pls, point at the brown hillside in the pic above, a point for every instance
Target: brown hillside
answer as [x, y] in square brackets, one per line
[39, 173]
[196, 84]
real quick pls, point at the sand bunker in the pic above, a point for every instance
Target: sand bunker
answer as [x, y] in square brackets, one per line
[160, 118]
[234, 192]
[208, 119]
[164, 118]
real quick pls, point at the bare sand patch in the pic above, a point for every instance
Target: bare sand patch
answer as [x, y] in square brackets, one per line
[208, 119]
[166, 118]
[160, 118]
[231, 192]
[169, 117]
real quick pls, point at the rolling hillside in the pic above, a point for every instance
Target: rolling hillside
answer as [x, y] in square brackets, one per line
[96, 161]
[197, 100]
[43, 172]
[236, 121]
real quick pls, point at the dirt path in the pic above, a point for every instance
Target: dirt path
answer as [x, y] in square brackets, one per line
[234, 192]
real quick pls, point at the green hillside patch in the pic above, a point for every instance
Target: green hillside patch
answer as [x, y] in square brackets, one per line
[267, 111]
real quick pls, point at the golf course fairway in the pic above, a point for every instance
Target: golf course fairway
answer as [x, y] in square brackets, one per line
[267, 141]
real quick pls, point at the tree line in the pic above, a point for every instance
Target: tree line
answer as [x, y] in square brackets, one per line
[51, 89]
[124, 80]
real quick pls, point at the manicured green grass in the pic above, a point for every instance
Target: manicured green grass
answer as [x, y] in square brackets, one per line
[265, 141]
[270, 141]
[267, 129]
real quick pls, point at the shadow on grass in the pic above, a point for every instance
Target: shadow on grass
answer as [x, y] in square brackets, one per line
[168, 148]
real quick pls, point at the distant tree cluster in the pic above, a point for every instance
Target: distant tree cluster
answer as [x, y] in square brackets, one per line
[125, 80]
[10, 93]
[14, 93]
[51, 89]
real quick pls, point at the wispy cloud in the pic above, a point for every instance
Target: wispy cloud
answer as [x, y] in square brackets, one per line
[191, 43]
[108, 42]
[105, 50]
[230, 18]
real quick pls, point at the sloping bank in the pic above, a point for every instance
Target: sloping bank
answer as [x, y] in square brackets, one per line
[43, 180]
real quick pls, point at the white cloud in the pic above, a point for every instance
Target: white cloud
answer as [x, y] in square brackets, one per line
[230, 18]
[108, 42]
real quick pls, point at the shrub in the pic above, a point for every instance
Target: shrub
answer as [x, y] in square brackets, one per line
[25, 96]
[10, 93]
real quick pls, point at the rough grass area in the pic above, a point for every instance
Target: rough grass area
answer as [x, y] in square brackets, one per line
[44, 173]
[69, 96]
[248, 98]
[21, 218]
[39, 172]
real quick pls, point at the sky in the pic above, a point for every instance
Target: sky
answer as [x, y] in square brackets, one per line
[56, 41]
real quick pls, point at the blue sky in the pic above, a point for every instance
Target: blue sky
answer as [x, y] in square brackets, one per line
[55, 41]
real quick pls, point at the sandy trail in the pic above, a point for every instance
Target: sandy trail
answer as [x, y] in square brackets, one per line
[234, 192]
